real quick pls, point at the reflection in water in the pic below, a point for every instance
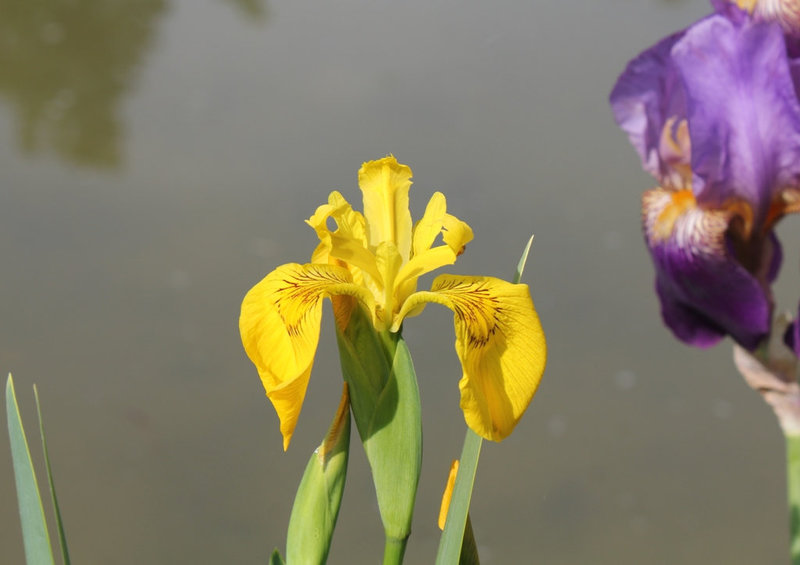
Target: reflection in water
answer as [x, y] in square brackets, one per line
[64, 67]
[66, 64]
[254, 9]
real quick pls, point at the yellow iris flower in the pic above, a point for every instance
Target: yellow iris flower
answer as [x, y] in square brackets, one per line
[375, 260]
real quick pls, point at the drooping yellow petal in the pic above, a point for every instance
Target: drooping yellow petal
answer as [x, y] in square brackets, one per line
[501, 345]
[279, 324]
[385, 184]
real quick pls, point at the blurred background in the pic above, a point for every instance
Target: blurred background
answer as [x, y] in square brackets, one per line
[159, 157]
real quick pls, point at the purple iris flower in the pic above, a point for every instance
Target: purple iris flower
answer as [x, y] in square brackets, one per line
[713, 112]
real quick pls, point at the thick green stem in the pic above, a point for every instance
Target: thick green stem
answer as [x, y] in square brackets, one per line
[394, 550]
[793, 484]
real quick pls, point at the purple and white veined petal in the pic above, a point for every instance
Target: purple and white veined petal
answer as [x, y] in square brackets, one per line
[705, 292]
[743, 112]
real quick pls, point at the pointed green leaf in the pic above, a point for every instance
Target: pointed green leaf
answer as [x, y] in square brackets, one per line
[31, 514]
[319, 496]
[62, 539]
[276, 559]
[457, 515]
[522, 261]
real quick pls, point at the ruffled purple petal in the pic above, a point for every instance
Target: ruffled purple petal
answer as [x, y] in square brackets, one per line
[646, 95]
[705, 293]
[743, 112]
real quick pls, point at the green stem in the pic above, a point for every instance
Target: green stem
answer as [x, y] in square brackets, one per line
[793, 483]
[394, 550]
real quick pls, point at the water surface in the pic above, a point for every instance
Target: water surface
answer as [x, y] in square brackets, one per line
[159, 157]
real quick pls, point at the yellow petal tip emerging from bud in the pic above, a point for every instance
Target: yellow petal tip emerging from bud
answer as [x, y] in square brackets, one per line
[448, 494]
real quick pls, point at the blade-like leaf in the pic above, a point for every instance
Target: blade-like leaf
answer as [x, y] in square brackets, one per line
[31, 514]
[522, 261]
[458, 514]
[319, 496]
[453, 535]
[62, 539]
[276, 559]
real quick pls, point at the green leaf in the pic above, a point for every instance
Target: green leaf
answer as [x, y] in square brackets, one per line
[522, 261]
[62, 539]
[469, 549]
[34, 526]
[458, 513]
[455, 531]
[276, 559]
[319, 496]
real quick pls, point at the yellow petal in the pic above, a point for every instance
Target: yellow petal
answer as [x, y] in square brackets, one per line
[348, 242]
[430, 225]
[279, 325]
[388, 261]
[349, 223]
[448, 494]
[353, 253]
[501, 346]
[457, 234]
[385, 184]
[427, 261]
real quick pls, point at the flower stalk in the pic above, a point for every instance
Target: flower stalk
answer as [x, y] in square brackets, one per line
[772, 372]
[793, 490]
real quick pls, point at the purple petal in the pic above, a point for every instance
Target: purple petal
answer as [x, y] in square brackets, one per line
[646, 95]
[705, 293]
[776, 257]
[743, 112]
[730, 10]
[792, 337]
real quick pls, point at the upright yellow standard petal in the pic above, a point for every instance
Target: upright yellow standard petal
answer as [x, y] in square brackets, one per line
[430, 225]
[385, 184]
[279, 325]
[501, 346]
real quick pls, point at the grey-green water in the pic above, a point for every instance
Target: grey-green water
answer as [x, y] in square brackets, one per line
[159, 157]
